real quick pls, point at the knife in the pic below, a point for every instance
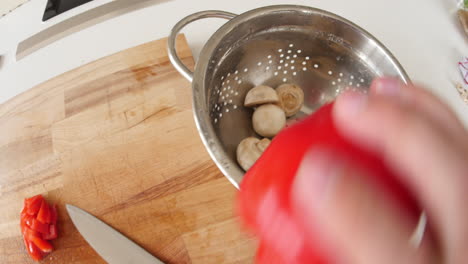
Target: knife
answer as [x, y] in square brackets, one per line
[111, 245]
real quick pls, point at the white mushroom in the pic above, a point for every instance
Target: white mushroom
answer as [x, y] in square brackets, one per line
[248, 152]
[268, 120]
[263, 144]
[261, 94]
[291, 98]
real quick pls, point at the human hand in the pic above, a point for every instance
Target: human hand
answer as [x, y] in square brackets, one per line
[423, 141]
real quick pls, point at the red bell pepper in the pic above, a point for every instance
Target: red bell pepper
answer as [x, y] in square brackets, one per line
[264, 198]
[42, 244]
[33, 250]
[53, 214]
[39, 227]
[43, 215]
[28, 220]
[266, 255]
[30, 200]
[33, 204]
[52, 234]
[28, 233]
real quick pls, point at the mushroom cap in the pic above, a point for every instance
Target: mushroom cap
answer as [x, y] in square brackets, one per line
[263, 144]
[268, 120]
[261, 94]
[291, 98]
[248, 152]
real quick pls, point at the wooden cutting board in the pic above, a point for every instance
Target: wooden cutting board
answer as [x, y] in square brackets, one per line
[117, 138]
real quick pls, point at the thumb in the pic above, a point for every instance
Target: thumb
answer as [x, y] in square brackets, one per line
[347, 215]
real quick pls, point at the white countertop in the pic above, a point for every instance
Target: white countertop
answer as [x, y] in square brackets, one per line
[423, 34]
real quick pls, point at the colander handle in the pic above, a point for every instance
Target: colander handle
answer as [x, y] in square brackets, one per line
[171, 47]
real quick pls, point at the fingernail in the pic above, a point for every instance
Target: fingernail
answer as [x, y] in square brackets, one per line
[314, 178]
[350, 104]
[386, 86]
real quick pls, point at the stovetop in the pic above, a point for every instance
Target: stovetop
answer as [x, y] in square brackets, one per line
[56, 7]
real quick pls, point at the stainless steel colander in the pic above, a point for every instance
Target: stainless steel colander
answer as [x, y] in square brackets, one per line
[317, 50]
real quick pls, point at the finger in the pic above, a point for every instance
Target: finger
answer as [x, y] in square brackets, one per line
[429, 161]
[422, 100]
[354, 217]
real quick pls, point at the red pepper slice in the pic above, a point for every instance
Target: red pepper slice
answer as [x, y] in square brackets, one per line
[28, 220]
[33, 250]
[53, 214]
[42, 244]
[43, 215]
[34, 199]
[38, 224]
[33, 204]
[30, 200]
[39, 227]
[52, 233]
[28, 233]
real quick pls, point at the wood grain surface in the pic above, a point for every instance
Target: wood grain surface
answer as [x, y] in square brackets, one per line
[116, 137]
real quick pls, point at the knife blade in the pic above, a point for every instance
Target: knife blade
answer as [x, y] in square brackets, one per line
[111, 245]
